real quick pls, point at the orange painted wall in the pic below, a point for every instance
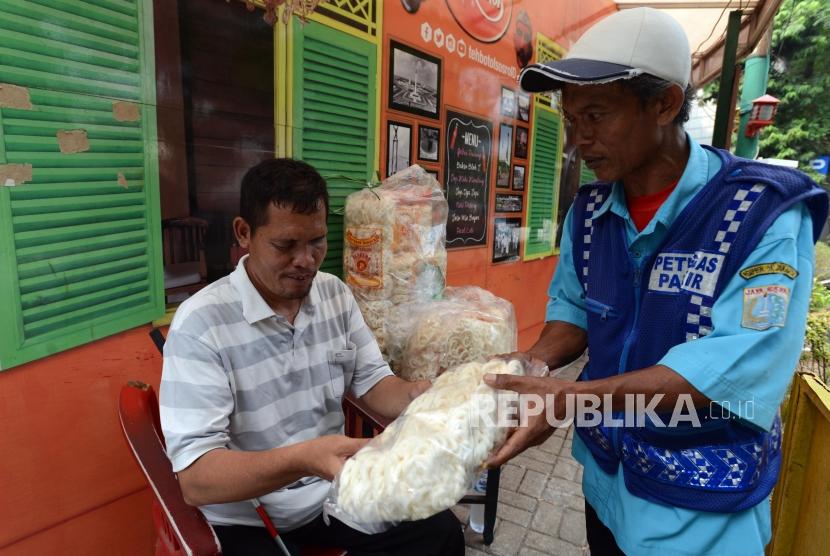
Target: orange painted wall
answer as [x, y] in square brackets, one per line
[68, 484]
[472, 88]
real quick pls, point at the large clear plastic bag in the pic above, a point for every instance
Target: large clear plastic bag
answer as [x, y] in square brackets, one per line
[427, 459]
[376, 314]
[394, 243]
[469, 323]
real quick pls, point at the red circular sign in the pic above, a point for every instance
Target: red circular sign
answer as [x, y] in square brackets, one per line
[484, 20]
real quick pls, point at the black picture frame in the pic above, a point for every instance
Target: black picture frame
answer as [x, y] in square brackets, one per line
[429, 143]
[523, 106]
[509, 203]
[399, 145]
[408, 66]
[508, 102]
[518, 179]
[507, 239]
[522, 137]
[504, 156]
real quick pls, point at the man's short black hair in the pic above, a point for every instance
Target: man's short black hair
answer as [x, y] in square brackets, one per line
[645, 87]
[283, 182]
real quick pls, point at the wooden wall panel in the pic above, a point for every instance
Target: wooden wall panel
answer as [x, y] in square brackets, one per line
[228, 84]
[170, 111]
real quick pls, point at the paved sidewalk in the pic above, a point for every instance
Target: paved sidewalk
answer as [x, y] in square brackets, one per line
[541, 508]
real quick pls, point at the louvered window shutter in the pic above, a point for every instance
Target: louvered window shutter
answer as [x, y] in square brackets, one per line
[545, 157]
[80, 240]
[334, 116]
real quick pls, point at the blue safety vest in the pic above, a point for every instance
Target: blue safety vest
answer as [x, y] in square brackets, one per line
[636, 316]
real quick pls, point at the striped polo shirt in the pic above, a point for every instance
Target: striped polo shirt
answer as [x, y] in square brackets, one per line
[239, 376]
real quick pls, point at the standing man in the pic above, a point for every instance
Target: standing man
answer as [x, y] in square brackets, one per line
[255, 368]
[687, 273]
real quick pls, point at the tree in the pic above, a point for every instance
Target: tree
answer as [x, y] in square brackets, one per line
[800, 78]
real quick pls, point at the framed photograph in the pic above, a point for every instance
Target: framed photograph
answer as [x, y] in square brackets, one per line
[521, 142]
[414, 81]
[507, 239]
[428, 139]
[398, 143]
[508, 102]
[524, 106]
[434, 174]
[519, 172]
[503, 162]
[508, 203]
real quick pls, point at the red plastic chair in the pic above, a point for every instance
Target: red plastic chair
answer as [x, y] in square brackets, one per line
[182, 529]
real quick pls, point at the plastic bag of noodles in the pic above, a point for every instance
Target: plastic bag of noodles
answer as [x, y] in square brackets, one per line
[469, 323]
[427, 459]
[393, 248]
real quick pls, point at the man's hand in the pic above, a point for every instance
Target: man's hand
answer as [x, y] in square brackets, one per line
[326, 455]
[534, 429]
[224, 475]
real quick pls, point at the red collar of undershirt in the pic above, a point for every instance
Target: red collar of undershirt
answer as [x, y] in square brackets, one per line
[642, 209]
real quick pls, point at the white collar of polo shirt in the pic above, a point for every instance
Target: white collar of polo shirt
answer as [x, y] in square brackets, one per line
[254, 307]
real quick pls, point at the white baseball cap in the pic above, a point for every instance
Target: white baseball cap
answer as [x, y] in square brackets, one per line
[625, 44]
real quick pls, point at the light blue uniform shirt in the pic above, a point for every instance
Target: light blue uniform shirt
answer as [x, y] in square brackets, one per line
[733, 366]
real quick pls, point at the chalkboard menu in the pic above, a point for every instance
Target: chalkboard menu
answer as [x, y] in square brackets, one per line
[467, 178]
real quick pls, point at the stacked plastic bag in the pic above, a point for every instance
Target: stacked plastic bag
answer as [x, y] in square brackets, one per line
[469, 323]
[425, 461]
[395, 263]
[394, 249]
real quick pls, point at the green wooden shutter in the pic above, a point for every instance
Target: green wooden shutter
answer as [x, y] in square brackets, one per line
[543, 188]
[586, 175]
[334, 116]
[80, 252]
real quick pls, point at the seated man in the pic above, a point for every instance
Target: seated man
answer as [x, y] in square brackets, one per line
[255, 368]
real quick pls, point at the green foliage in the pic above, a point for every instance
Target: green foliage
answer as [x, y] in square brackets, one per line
[816, 358]
[710, 92]
[822, 269]
[820, 299]
[800, 79]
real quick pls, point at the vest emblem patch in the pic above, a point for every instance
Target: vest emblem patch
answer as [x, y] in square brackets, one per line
[695, 273]
[765, 307]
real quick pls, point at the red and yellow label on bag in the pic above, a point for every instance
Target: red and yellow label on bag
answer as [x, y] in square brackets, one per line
[364, 257]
